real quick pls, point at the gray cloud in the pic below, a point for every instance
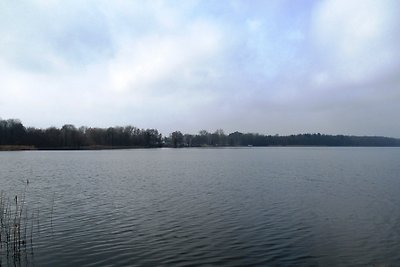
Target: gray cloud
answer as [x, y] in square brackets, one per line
[272, 67]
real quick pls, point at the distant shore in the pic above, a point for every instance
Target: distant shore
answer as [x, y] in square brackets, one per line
[88, 148]
[28, 148]
[15, 136]
[16, 148]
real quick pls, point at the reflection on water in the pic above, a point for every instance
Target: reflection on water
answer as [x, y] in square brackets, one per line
[198, 207]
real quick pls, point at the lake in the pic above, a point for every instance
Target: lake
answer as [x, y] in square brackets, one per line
[278, 206]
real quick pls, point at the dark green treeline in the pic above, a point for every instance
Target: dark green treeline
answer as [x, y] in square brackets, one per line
[14, 133]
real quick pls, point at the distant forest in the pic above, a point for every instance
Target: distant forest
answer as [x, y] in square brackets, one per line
[14, 134]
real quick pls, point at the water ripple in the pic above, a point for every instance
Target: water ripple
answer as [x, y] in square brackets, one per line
[256, 207]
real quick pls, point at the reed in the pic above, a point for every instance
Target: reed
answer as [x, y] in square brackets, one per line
[16, 225]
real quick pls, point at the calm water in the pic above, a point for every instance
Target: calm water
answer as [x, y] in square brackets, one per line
[210, 207]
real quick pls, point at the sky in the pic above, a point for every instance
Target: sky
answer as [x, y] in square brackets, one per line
[272, 67]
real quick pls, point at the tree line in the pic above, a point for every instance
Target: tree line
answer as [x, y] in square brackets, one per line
[14, 133]
[218, 138]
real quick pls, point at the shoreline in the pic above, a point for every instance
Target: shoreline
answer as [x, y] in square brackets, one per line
[16, 148]
[33, 148]
[89, 148]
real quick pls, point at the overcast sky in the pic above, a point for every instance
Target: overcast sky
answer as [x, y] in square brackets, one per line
[273, 67]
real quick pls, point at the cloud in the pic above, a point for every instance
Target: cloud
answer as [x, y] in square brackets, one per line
[357, 38]
[269, 66]
[48, 37]
[154, 58]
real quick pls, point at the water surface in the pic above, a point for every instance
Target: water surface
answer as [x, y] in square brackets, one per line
[210, 207]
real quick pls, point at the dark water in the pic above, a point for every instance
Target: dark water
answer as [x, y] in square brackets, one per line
[210, 207]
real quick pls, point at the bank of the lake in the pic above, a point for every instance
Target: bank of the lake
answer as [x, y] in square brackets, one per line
[16, 148]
